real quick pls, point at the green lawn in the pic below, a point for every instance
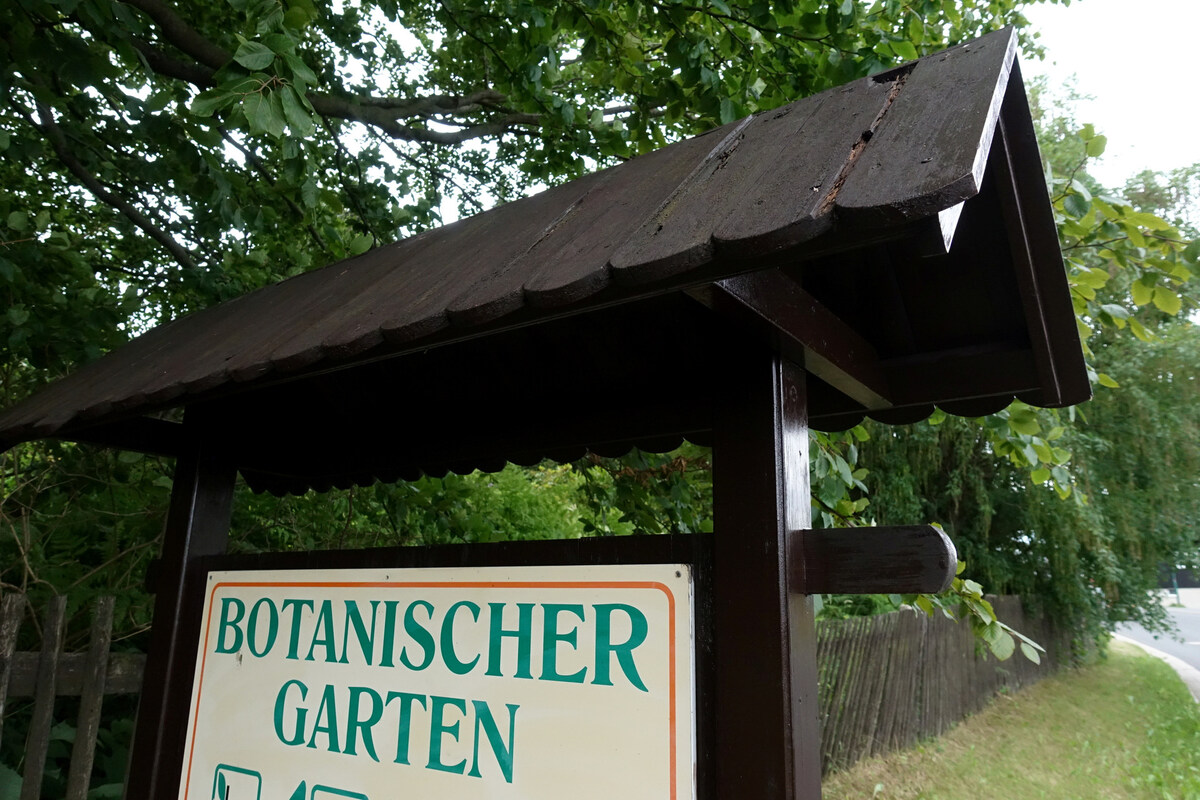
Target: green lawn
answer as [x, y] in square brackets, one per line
[1123, 728]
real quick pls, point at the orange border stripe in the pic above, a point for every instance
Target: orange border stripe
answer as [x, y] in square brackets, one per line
[671, 658]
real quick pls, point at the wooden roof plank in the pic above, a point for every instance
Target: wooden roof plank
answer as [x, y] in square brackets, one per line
[509, 246]
[931, 147]
[800, 181]
[354, 325]
[780, 197]
[762, 187]
[572, 263]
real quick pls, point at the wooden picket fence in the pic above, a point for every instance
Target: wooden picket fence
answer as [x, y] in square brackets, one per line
[50, 673]
[889, 681]
[886, 682]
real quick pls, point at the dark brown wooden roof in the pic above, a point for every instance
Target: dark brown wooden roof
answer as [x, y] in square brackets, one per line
[893, 234]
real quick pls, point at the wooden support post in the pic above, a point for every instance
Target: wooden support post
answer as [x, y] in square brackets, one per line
[767, 733]
[197, 525]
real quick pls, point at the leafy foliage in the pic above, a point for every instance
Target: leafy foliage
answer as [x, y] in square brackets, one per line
[158, 159]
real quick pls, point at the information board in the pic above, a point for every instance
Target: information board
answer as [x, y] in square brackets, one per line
[491, 682]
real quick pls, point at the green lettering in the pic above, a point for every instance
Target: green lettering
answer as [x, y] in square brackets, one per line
[419, 635]
[366, 643]
[624, 651]
[272, 627]
[405, 726]
[327, 712]
[389, 632]
[449, 657]
[230, 624]
[323, 634]
[502, 752]
[296, 606]
[356, 726]
[438, 728]
[523, 634]
[297, 736]
[551, 636]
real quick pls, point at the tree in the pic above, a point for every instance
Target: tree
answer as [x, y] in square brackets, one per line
[159, 158]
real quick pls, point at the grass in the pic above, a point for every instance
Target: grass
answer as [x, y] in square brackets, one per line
[1123, 728]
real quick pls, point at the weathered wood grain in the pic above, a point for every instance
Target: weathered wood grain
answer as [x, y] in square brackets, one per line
[38, 741]
[91, 700]
[573, 262]
[931, 146]
[123, 674]
[901, 559]
[828, 347]
[801, 193]
[12, 610]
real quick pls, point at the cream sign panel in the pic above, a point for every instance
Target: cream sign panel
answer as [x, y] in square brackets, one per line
[497, 683]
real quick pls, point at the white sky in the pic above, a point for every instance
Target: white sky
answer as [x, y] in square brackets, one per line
[1136, 58]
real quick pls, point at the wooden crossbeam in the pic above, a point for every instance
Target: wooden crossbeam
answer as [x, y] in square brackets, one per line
[902, 559]
[831, 349]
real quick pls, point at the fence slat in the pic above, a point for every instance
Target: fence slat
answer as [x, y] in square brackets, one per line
[83, 751]
[11, 612]
[43, 705]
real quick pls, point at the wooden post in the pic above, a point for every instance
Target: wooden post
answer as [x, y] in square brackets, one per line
[767, 733]
[197, 525]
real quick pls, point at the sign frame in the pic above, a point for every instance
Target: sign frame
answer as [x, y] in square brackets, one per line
[694, 551]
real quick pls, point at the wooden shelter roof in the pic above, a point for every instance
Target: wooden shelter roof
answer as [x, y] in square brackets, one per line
[893, 235]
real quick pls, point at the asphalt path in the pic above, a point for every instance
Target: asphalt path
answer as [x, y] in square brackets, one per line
[1186, 647]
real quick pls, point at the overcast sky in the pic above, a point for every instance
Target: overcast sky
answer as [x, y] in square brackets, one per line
[1136, 58]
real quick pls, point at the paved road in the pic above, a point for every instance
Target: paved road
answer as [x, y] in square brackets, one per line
[1188, 622]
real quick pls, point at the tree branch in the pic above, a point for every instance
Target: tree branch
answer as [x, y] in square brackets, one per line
[163, 64]
[58, 140]
[384, 113]
[182, 35]
[262, 170]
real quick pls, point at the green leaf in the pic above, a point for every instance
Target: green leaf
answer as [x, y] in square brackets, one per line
[17, 315]
[18, 221]
[1094, 278]
[1030, 653]
[1167, 300]
[251, 105]
[301, 72]
[1040, 475]
[1105, 380]
[1003, 646]
[1140, 331]
[275, 120]
[254, 55]
[298, 119]
[296, 18]
[1145, 220]
[728, 112]
[905, 50]
[361, 243]
[1076, 205]
[1024, 421]
[1141, 293]
[211, 101]
[1096, 145]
